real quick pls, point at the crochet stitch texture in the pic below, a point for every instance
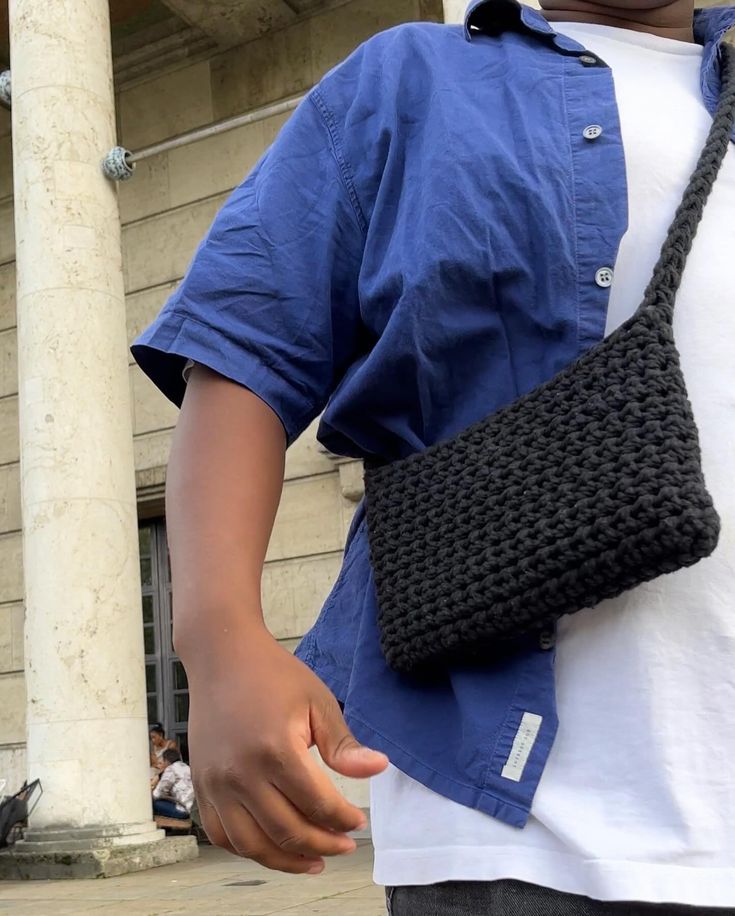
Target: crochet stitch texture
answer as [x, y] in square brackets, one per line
[582, 489]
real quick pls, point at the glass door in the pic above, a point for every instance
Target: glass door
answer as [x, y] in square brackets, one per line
[166, 684]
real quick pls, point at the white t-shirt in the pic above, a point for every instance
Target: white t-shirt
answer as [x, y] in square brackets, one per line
[638, 798]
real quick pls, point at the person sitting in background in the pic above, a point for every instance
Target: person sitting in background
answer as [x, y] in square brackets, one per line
[159, 744]
[173, 794]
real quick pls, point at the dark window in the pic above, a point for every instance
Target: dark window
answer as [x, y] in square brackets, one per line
[166, 684]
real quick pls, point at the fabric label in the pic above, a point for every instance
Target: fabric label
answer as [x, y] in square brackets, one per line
[522, 746]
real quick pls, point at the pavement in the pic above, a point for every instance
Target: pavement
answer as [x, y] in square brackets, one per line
[217, 884]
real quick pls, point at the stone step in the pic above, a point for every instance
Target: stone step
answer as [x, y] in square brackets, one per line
[107, 862]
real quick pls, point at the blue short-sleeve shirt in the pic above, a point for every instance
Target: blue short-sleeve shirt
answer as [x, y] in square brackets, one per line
[419, 247]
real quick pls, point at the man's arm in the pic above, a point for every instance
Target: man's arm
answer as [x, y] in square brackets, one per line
[255, 709]
[165, 784]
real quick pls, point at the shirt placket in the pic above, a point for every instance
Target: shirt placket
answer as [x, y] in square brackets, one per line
[599, 185]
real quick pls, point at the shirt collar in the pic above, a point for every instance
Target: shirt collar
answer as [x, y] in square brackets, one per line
[493, 17]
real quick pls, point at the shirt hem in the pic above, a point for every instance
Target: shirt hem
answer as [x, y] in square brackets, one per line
[600, 879]
[469, 796]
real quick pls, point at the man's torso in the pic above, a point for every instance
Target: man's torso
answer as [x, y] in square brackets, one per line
[636, 800]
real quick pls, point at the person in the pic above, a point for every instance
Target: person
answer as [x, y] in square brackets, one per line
[453, 215]
[173, 793]
[159, 745]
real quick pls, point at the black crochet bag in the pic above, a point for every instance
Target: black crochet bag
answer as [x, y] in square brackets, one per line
[587, 486]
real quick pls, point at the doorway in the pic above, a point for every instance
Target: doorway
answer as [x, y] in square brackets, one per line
[166, 685]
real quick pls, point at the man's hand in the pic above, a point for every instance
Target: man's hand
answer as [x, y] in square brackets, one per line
[261, 794]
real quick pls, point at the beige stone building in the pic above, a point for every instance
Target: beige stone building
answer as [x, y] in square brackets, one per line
[85, 636]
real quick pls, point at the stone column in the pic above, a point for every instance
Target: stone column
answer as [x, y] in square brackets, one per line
[454, 10]
[86, 712]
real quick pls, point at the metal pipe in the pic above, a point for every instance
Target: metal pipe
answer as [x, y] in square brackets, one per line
[119, 163]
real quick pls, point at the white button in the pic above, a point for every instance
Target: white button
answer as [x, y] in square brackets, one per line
[592, 132]
[587, 59]
[604, 277]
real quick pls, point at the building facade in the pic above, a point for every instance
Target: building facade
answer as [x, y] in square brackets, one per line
[180, 67]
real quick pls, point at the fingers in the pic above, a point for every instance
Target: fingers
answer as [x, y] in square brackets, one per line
[291, 831]
[339, 748]
[247, 839]
[278, 806]
[308, 787]
[255, 820]
[213, 826]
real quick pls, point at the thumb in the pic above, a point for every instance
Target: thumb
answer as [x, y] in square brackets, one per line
[339, 748]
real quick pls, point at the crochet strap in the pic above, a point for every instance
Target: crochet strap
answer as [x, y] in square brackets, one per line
[667, 274]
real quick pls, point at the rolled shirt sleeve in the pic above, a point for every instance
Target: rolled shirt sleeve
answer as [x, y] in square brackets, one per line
[270, 299]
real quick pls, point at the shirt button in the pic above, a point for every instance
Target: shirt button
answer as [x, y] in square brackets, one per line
[592, 132]
[547, 640]
[588, 60]
[604, 277]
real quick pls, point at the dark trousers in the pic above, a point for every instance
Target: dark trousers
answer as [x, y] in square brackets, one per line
[514, 898]
[164, 807]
